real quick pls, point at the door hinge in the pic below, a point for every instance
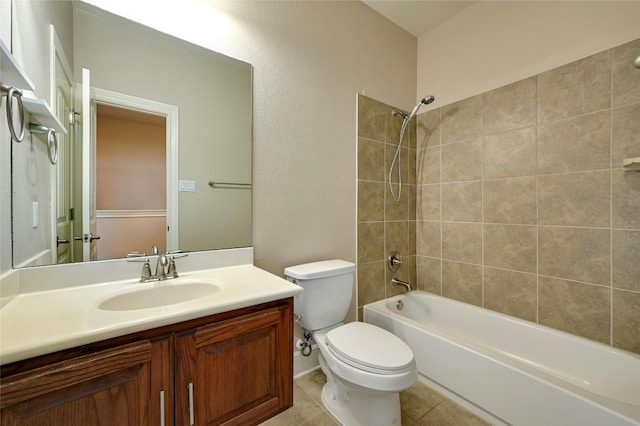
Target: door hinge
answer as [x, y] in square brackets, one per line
[72, 213]
[72, 116]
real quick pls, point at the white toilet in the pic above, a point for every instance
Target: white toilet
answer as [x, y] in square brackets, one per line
[366, 366]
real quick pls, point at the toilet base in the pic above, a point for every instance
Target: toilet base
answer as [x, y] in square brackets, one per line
[354, 406]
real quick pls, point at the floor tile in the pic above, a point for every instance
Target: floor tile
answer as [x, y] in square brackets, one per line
[448, 413]
[420, 404]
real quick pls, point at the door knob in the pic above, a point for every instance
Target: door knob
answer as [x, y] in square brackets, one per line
[59, 241]
[87, 238]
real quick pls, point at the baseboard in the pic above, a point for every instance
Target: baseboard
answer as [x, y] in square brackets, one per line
[305, 364]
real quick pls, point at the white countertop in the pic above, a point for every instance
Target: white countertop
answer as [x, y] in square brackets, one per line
[41, 322]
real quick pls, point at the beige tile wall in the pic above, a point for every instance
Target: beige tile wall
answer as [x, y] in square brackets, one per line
[384, 225]
[516, 200]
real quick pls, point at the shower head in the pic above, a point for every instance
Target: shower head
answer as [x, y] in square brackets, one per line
[428, 99]
[425, 101]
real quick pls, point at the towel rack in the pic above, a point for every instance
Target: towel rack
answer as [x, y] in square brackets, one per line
[52, 140]
[11, 93]
[229, 185]
[14, 81]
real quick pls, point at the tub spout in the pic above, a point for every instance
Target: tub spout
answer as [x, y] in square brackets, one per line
[395, 282]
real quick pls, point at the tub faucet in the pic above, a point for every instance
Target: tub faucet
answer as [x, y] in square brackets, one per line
[395, 282]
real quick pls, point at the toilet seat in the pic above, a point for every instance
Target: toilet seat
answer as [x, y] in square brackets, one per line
[370, 348]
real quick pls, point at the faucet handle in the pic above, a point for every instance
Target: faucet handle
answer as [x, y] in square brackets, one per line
[146, 272]
[177, 256]
[171, 269]
[172, 272]
[395, 261]
[135, 254]
[137, 257]
[146, 268]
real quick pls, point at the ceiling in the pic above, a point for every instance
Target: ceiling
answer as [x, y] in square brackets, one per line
[418, 16]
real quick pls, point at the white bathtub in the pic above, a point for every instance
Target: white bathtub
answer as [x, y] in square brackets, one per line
[519, 372]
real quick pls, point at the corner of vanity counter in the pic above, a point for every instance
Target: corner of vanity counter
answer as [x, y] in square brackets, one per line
[9, 287]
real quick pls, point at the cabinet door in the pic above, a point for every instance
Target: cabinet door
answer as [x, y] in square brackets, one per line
[111, 387]
[236, 372]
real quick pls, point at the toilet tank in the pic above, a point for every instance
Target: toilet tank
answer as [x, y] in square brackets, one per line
[328, 286]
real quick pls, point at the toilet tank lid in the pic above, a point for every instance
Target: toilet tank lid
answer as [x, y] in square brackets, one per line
[322, 269]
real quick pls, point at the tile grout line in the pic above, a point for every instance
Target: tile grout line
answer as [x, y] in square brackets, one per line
[611, 203]
[441, 188]
[482, 229]
[537, 211]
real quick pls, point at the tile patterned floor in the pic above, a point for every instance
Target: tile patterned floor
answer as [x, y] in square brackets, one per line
[421, 406]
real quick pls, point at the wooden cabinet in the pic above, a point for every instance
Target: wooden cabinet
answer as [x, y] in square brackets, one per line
[89, 390]
[233, 368]
[234, 372]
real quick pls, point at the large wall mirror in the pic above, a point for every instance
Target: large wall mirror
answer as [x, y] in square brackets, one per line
[158, 148]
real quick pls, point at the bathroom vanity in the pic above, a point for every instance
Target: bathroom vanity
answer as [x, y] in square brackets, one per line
[219, 358]
[231, 368]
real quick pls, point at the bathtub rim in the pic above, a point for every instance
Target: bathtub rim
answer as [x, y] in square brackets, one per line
[619, 408]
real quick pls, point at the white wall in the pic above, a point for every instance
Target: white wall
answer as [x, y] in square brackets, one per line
[310, 59]
[494, 43]
[30, 47]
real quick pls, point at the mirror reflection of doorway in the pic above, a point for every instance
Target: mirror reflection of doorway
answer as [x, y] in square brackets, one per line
[131, 181]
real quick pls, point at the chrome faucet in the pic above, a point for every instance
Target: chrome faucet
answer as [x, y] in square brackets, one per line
[395, 282]
[165, 267]
[161, 265]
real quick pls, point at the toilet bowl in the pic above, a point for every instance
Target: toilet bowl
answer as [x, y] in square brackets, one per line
[366, 367]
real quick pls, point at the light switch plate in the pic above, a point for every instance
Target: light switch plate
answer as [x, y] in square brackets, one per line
[35, 211]
[187, 186]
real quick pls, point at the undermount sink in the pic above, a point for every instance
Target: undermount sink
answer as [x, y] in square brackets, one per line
[161, 295]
